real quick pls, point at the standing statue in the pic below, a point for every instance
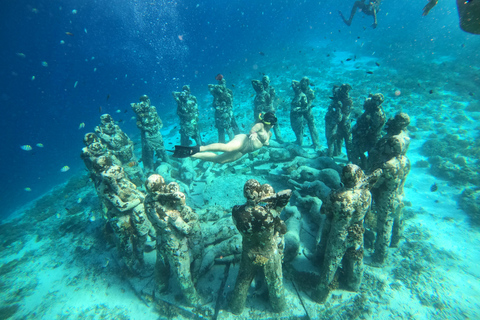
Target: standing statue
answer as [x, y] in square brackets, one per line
[125, 213]
[368, 129]
[263, 102]
[179, 236]
[187, 111]
[389, 154]
[149, 124]
[115, 139]
[337, 121]
[301, 111]
[342, 235]
[262, 232]
[223, 104]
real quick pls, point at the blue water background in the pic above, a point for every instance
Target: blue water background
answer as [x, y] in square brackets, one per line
[136, 49]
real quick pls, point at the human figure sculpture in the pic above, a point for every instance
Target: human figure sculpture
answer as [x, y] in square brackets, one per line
[368, 129]
[149, 124]
[187, 111]
[388, 195]
[263, 102]
[94, 148]
[115, 139]
[179, 236]
[125, 213]
[223, 103]
[262, 232]
[301, 111]
[337, 121]
[342, 235]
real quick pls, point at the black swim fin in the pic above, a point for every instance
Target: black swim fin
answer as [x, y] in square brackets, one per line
[185, 152]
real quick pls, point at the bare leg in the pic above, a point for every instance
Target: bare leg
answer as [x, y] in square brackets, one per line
[356, 5]
[234, 145]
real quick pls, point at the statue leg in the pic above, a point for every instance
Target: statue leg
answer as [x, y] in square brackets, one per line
[274, 278]
[384, 232]
[296, 120]
[313, 129]
[246, 273]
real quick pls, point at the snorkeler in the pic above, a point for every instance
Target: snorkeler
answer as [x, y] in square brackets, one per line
[369, 9]
[240, 145]
[468, 12]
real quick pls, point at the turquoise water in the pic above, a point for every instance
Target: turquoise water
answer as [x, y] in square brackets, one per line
[66, 63]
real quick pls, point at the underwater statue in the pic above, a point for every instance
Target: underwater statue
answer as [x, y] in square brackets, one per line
[341, 241]
[125, 214]
[367, 130]
[187, 111]
[223, 105]
[337, 121]
[115, 139]
[149, 124]
[239, 146]
[301, 112]
[263, 102]
[179, 237]
[262, 230]
[389, 155]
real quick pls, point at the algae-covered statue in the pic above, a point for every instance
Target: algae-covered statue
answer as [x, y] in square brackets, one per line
[342, 235]
[301, 111]
[125, 214]
[179, 236]
[263, 102]
[337, 121]
[187, 111]
[389, 154]
[223, 105]
[149, 124]
[263, 232]
[115, 139]
[368, 129]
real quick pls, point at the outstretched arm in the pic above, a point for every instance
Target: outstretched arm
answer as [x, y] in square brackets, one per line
[429, 6]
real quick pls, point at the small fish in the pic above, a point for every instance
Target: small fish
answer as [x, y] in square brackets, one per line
[79, 200]
[233, 85]
[26, 147]
[65, 169]
[69, 34]
[44, 63]
[349, 59]
[85, 30]
[378, 64]
[431, 91]
[100, 109]
[219, 77]
[126, 110]
[40, 145]
[261, 53]
[434, 187]
[33, 78]
[119, 111]
[82, 125]
[471, 94]
[21, 55]
[75, 85]
[132, 164]
[108, 96]
[28, 189]
[369, 72]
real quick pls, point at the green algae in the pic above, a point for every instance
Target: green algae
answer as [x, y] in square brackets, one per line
[8, 311]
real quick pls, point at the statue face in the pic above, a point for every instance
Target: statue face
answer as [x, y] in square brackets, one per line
[155, 183]
[351, 175]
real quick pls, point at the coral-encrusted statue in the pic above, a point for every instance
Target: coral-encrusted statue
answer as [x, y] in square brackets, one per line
[263, 231]
[368, 129]
[263, 102]
[115, 139]
[389, 155]
[187, 110]
[125, 213]
[224, 117]
[342, 234]
[301, 111]
[149, 124]
[179, 237]
[337, 121]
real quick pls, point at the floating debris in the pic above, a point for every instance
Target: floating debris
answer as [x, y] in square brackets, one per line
[26, 147]
[65, 169]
